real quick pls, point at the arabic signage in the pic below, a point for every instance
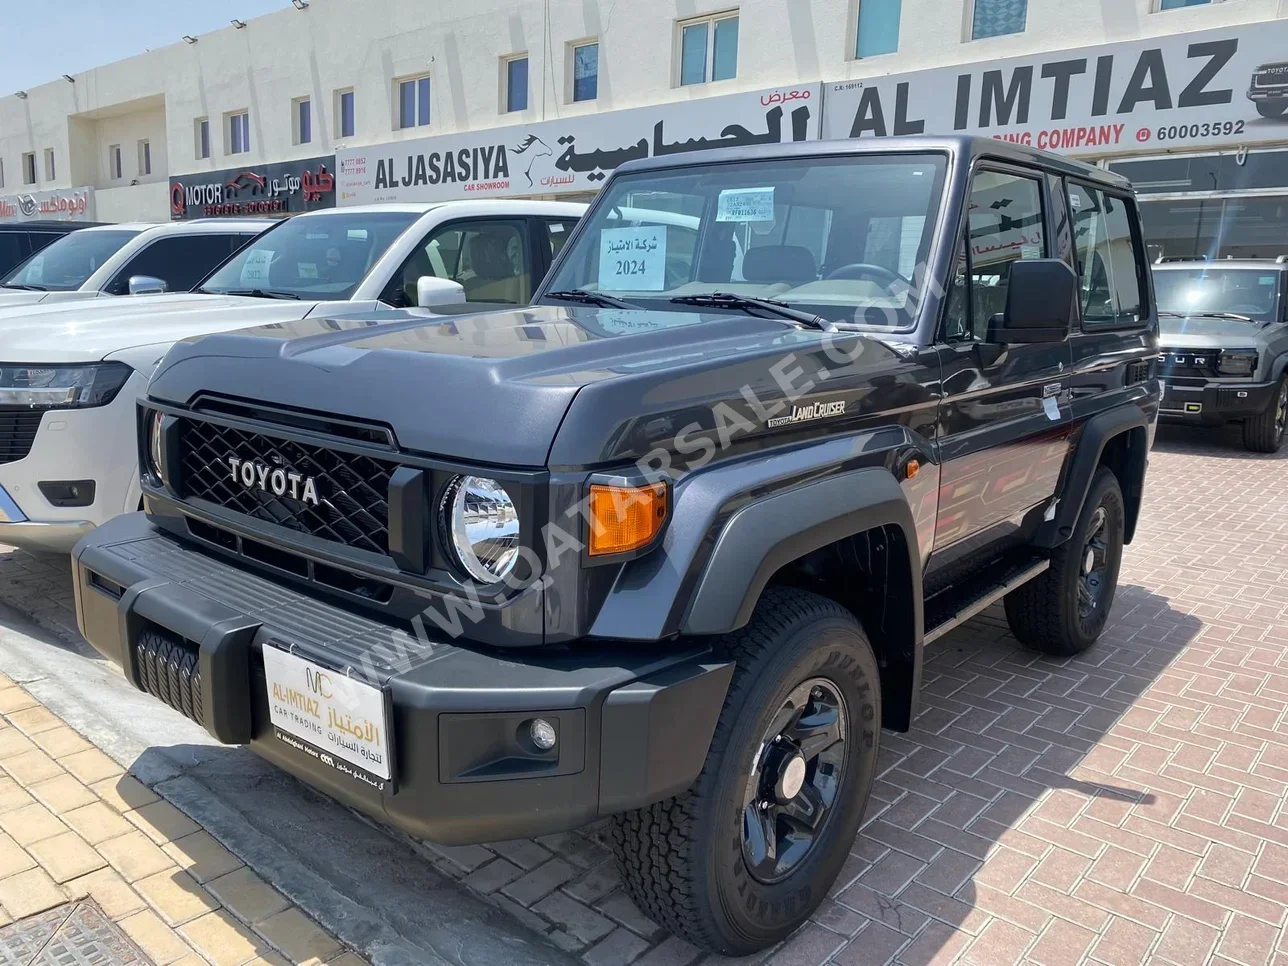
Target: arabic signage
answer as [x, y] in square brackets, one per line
[62, 204]
[572, 154]
[1217, 87]
[285, 188]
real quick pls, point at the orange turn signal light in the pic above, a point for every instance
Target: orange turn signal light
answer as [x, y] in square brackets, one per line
[625, 518]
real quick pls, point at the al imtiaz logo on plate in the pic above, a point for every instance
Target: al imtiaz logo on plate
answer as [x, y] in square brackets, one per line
[817, 410]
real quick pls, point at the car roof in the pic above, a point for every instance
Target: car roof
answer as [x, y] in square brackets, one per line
[53, 227]
[465, 206]
[965, 147]
[1192, 263]
[199, 226]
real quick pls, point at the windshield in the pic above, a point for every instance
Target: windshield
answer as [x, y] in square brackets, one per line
[313, 257]
[1238, 291]
[837, 237]
[65, 265]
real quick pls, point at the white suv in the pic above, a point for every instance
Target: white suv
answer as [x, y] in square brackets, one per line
[70, 374]
[126, 260]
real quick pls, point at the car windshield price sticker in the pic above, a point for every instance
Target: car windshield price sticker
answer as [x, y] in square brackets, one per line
[746, 204]
[255, 268]
[342, 718]
[632, 259]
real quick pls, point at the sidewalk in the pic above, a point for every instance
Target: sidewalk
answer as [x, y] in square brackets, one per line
[96, 868]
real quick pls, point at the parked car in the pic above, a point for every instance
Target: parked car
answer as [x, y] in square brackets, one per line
[70, 374]
[666, 545]
[21, 239]
[1224, 356]
[136, 259]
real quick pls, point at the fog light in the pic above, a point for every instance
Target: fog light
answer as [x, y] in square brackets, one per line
[542, 733]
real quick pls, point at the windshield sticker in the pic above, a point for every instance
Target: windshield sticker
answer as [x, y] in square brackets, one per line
[255, 268]
[746, 204]
[632, 259]
[1266, 280]
[35, 273]
[307, 269]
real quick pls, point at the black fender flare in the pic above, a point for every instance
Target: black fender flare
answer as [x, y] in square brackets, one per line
[1278, 367]
[771, 532]
[1092, 440]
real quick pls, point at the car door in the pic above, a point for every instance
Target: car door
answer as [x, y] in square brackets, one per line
[181, 261]
[1004, 422]
[491, 258]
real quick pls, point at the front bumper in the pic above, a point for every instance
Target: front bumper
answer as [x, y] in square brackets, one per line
[1212, 403]
[634, 724]
[97, 444]
[1276, 94]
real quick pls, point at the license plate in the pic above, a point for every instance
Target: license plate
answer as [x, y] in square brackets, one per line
[345, 721]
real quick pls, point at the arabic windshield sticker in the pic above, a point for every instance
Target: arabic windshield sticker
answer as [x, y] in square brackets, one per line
[255, 268]
[746, 204]
[632, 259]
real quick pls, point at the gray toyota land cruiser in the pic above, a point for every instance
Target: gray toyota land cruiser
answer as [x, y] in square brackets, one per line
[666, 545]
[1224, 357]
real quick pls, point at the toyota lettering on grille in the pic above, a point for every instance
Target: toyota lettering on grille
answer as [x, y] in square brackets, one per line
[276, 480]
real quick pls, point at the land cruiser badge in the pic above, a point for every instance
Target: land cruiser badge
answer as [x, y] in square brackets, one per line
[801, 414]
[255, 475]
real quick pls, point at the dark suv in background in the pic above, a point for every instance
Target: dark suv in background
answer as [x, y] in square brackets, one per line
[20, 240]
[1224, 346]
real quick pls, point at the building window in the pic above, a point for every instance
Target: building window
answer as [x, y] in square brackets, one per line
[585, 71]
[50, 172]
[145, 157]
[1176, 4]
[878, 27]
[239, 132]
[516, 83]
[1, 172]
[413, 102]
[29, 168]
[114, 162]
[302, 110]
[201, 137]
[709, 49]
[995, 18]
[344, 110]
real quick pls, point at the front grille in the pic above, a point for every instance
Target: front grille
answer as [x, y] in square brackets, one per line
[1189, 363]
[1271, 78]
[169, 670]
[17, 433]
[352, 490]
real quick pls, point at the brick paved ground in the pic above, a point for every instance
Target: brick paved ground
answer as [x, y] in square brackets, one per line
[84, 846]
[1123, 807]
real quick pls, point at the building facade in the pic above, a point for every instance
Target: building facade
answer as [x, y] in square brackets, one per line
[335, 88]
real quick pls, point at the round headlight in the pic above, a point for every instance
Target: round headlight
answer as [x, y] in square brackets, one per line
[154, 443]
[483, 526]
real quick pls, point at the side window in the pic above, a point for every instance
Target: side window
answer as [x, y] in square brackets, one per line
[1108, 257]
[1005, 226]
[13, 249]
[181, 261]
[557, 232]
[490, 260]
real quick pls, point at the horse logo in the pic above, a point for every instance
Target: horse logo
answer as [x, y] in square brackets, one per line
[538, 149]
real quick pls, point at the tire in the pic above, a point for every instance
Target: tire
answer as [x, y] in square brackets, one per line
[684, 860]
[1264, 433]
[1049, 614]
[1268, 109]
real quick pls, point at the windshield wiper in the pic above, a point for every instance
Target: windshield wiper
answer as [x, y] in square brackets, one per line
[591, 298]
[25, 288]
[1211, 315]
[728, 300]
[259, 293]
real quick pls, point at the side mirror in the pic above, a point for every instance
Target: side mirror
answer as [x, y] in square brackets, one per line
[431, 291]
[1041, 303]
[146, 285]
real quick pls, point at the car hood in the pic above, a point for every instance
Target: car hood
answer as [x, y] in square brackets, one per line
[1201, 332]
[88, 331]
[496, 387]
